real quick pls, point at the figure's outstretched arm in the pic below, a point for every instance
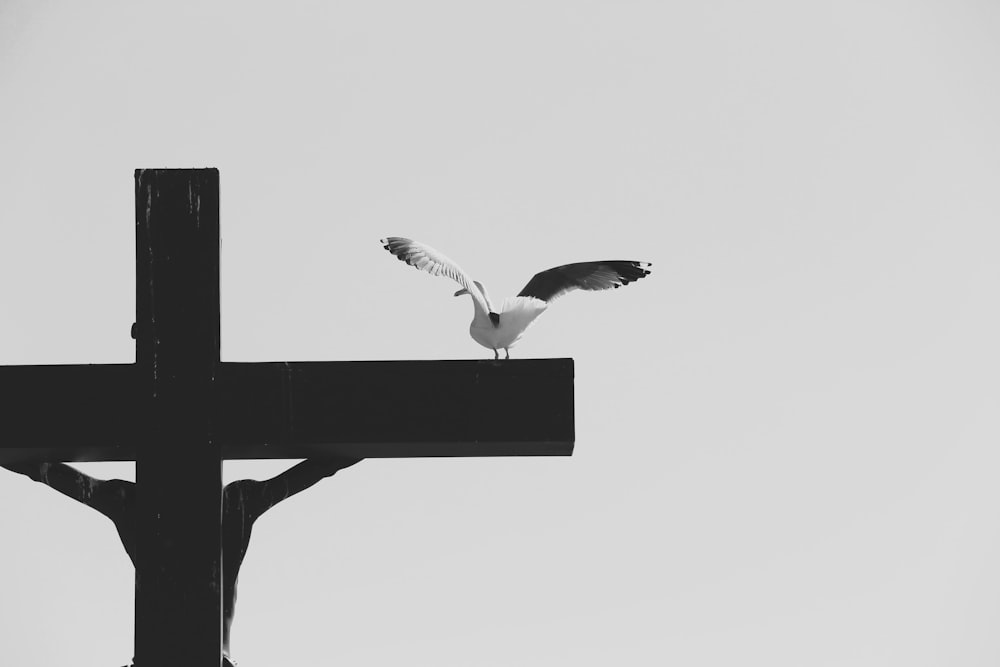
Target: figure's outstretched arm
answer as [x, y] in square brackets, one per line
[243, 501]
[61, 477]
[73, 483]
[300, 477]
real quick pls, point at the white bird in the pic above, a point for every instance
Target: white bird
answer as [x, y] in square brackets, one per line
[500, 330]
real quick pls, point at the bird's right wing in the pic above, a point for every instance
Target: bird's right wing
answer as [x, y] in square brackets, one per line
[550, 285]
[428, 259]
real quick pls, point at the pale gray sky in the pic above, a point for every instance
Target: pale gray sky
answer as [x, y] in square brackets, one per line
[786, 437]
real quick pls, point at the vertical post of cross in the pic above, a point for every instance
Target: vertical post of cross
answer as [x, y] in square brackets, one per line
[179, 470]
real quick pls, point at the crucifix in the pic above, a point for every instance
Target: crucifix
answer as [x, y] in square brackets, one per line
[179, 411]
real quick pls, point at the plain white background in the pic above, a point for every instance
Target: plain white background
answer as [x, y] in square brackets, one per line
[786, 437]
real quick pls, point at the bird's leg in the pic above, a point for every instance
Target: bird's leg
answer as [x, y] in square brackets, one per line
[496, 355]
[508, 353]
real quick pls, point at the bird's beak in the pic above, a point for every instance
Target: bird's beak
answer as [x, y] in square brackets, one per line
[461, 292]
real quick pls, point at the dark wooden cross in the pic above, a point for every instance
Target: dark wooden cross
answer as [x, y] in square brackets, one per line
[179, 411]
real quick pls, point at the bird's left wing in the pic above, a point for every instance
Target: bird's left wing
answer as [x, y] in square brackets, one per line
[550, 285]
[428, 259]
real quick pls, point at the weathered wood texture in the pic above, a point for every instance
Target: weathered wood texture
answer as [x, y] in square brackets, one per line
[520, 407]
[178, 585]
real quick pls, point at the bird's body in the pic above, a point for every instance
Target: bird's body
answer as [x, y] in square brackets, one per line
[502, 329]
[516, 315]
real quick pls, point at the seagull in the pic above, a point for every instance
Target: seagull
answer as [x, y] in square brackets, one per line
[502, 329]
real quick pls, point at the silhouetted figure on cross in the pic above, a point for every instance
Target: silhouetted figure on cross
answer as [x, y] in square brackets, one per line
[243, 502]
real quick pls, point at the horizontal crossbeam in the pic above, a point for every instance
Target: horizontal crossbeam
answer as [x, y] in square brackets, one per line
[70, 413]
[370, 409]
[397, 408]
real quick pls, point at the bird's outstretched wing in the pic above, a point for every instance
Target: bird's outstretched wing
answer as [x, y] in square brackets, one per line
[435, 263]
[550, 285]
